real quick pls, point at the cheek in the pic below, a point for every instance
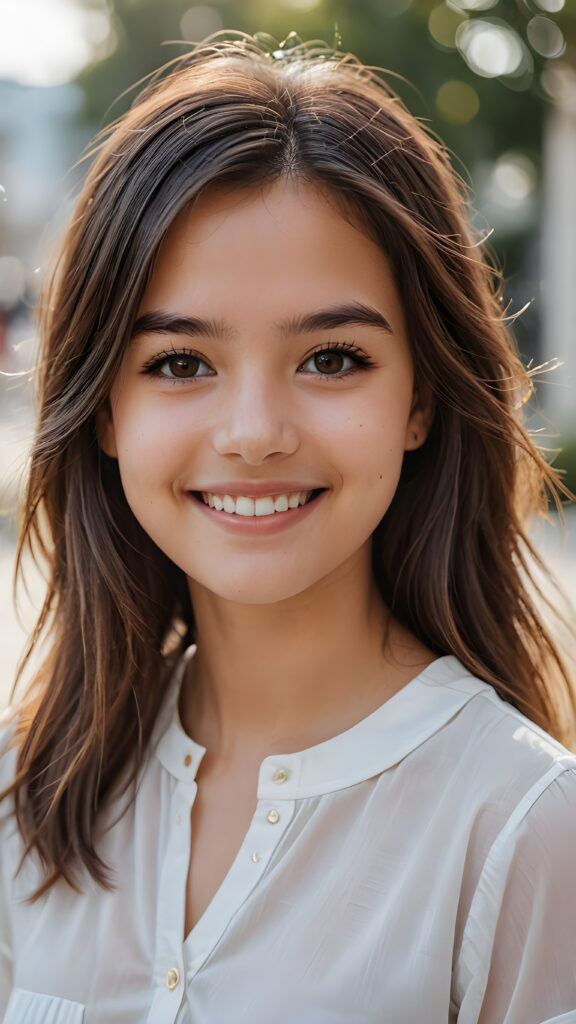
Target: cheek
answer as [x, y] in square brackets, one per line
[152, 436]
[373, 437]
[372, 459]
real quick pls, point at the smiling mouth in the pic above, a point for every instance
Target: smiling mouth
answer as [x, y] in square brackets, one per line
[268, 505]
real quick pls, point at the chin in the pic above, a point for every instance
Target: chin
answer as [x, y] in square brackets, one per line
[259, 589]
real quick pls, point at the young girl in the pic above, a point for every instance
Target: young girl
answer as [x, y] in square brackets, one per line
[275, 766]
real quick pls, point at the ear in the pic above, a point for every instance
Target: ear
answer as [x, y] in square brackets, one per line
[421, 418]
[105, 432]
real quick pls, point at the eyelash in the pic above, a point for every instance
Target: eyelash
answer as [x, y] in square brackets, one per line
[361, 361]
[153, 366]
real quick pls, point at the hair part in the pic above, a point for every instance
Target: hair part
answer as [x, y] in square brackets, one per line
[450, 556]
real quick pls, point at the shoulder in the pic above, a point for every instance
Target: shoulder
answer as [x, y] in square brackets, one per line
[498, 742]
[507, 781]
[516, 801]
[521, 909]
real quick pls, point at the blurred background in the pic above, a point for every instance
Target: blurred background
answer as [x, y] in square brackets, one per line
[496, 79]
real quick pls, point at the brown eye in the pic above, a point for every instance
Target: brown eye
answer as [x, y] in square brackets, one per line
[329, 362]
[337, 360]
[181, 366]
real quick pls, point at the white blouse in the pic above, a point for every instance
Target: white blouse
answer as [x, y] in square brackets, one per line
[419, 868]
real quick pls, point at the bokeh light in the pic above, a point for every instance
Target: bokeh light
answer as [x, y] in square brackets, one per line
[546, 37]
[551, 6]
[457, 102]
[47, 44]
[472, 5]
[491, 48]
[301, 5]
[514, 177]
[559, 81]
[199, 22]
[443, 24]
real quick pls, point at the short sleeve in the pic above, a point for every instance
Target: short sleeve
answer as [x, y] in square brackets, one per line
[517, 963]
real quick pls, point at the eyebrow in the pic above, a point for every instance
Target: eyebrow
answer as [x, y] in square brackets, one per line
[356, 314]
[158, 321]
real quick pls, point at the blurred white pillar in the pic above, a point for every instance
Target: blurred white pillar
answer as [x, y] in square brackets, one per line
[559, 250]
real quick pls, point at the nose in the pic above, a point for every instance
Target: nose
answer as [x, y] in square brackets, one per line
[255, 422]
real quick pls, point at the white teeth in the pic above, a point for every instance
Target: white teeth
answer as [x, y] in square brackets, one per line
[265, 506]
[245, 507]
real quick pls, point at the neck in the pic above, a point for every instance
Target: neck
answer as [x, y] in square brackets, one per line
[281, 677]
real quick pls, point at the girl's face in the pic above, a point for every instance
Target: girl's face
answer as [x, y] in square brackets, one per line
[269, 373]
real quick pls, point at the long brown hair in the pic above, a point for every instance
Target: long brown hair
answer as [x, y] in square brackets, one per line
[450, 555]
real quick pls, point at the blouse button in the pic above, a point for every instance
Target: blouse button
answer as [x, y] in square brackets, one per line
[280, 776]
[172, 978]
[188, 760]
[273, 816]
[255, 856]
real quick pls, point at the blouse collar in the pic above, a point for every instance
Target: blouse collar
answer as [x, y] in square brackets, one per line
[373, 745]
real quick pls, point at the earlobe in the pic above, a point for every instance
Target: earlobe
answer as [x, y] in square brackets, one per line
[105, 433]
[421, 419]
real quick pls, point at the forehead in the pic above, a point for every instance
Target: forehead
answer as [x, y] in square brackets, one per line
[286, 246]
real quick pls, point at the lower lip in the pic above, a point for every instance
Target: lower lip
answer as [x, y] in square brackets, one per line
[258, 526]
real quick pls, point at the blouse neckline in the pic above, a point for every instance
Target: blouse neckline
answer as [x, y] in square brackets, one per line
[373, 745]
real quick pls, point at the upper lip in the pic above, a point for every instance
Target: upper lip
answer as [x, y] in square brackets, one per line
[253, 489]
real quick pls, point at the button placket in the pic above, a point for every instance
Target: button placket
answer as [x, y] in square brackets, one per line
[169, 968]
[274, 774]
[172, 978]
[249, 866]
[279, 775]
[267, 830]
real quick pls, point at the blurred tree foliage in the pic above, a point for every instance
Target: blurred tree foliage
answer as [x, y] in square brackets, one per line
[414, 39]
[393, 34]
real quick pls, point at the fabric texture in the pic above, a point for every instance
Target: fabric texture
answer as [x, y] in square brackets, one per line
[421, 868]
